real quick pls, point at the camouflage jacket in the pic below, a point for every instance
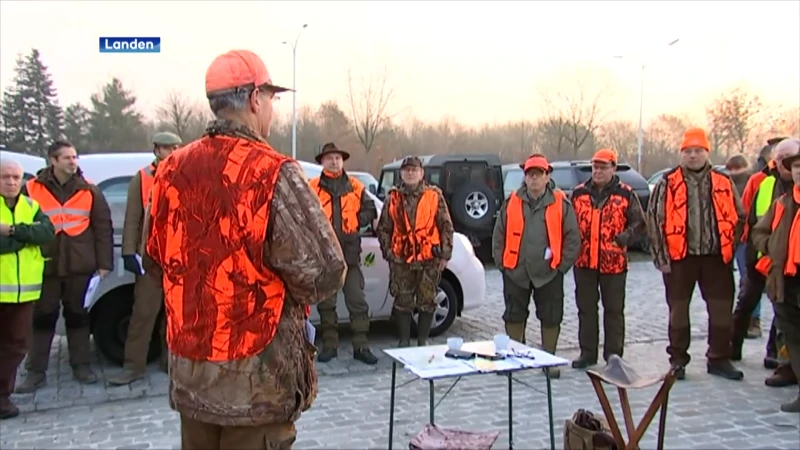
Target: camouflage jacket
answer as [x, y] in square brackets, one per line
[279, 383]
[701, 223]
[411, 199]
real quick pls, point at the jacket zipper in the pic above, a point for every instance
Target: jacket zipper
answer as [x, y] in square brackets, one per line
[16, 255]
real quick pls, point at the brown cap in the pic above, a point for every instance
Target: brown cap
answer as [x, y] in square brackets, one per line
[330, 147]
[235, 70]
[410, 161]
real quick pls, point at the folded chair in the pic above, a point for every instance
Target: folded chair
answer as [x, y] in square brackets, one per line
[620, 374]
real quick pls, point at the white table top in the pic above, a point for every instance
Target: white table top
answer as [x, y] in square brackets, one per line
[430, 363]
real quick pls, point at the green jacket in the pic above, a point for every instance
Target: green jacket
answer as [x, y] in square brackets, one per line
[40, 232]
[532, 268]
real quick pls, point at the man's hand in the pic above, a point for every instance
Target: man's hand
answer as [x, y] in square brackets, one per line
[442, 265]
[131, 264]
[5, 230]
[102, 273]
[666, 269]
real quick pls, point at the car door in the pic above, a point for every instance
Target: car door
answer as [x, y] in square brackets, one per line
[375, 270]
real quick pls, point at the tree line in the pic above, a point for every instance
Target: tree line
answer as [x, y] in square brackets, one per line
[573, 123]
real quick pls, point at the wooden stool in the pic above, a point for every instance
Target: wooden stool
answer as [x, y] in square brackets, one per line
[620, 374]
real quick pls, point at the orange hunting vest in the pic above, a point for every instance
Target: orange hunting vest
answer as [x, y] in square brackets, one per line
[599, 227]
[415, 244]
[515, 225]
[147, 174]
[722, 198]
[71, 218]
[764, 263]
[223, 302]
[349, 203]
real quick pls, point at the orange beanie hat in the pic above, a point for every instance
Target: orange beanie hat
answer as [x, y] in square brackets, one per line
[606, 155]
[695, 137]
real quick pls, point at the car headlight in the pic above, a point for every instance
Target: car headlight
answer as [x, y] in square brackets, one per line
[466, 243]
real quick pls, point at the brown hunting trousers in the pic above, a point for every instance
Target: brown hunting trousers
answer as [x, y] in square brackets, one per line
[147, 305]
[196, 435]
[15, 340]
[716, 282]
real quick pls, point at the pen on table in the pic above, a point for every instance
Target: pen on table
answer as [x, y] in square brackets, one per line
[430, 360]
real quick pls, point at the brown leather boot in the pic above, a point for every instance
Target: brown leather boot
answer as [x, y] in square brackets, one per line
[754, 330]
[127, 376]
[782, 377]
[32, 382]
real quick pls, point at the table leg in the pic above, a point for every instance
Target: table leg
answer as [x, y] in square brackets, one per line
[510, 412]
[391, 405]
[430, 398]
[550, 408]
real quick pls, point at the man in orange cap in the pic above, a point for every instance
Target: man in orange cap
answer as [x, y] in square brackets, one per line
[695, 219]
[535, 242]
[243, 248]
[610, 218]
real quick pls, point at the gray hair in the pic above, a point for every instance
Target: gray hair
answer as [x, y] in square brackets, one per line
[11, 164]
[235, 101]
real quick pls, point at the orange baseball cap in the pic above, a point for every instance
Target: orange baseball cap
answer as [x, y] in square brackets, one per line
[537, 162]
[695, 137]
[605, 155]
[238, 69]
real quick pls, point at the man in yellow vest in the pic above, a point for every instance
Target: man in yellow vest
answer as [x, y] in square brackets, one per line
[148, 296]
[348, 208]
[536, 240]
[23, 228]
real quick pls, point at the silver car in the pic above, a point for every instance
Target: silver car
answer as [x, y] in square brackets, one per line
[463, 284]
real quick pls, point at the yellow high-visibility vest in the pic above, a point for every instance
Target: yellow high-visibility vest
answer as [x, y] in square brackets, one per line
[21, 273]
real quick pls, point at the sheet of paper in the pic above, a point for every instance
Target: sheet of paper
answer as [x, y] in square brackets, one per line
[139, 260]
[311, 332]
[459, 367]
[90, 291]
[502, 365]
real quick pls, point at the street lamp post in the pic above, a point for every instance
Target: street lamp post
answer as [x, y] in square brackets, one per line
[294, 90]
[640, 134]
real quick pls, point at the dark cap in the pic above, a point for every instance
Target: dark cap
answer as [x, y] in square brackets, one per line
[411, 161]
[330, 147]
[775, 140]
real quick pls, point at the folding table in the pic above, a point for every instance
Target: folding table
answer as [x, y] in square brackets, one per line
[429, 364]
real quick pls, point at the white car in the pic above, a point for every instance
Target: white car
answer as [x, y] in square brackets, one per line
[462, 287]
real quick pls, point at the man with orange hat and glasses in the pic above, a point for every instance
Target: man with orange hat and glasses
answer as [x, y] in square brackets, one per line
[349, 209]
[244, 249]
[695, 219]
[535, 242]
[610, 219]
[777, 236]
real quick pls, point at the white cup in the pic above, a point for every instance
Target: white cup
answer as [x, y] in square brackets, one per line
[500, 342]
[455, 343]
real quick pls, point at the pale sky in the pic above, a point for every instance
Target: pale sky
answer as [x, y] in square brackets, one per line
[474, 61]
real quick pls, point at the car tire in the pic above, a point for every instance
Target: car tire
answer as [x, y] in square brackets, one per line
[442, 321]
[111, 329]
[473, 206]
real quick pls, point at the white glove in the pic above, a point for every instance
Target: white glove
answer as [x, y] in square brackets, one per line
[548, 254]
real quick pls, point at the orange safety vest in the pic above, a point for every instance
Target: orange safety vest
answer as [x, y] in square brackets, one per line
[349, 204]
[722, 199]
[147, 174]
[764, 263]
[515, 226]
[223, 302]
[415, 244]
[71, 218]
[599, 227]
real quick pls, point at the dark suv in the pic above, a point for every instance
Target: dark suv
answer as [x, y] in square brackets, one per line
[472, 186]
[568, 174]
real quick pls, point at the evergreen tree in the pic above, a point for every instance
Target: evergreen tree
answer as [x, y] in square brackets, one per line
[77, 120]
[32, 117]
[114, 123]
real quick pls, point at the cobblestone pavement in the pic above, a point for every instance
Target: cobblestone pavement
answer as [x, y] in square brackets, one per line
[646, 314]
[352, 411]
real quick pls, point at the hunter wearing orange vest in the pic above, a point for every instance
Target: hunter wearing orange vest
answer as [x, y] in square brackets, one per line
[348, 208]
[610, 219]
[777, 236]
[148, 299]
[83, 247]
[695, 220]
[535, 242]
[415, 233]
[243, 249]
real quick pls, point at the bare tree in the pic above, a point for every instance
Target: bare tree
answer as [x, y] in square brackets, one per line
[620, 136]
[369, 107]
[732, 120]
[575, 116]
[178, 114]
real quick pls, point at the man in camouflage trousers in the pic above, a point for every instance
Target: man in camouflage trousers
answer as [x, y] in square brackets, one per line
[416, 237]
[348, 208]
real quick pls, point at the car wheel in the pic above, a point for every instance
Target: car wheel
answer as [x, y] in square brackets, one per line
[111, 329]
[446, 309]
[473, 206]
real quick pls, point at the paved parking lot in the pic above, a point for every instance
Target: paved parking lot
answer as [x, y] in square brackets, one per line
[352, 411]
[646, 322]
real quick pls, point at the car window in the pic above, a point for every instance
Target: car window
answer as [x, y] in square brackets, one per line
[434, 176]
[387, 181]
[115, 190]
[564, 178]
[633, 179]
[513, 180]
[27, 176]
